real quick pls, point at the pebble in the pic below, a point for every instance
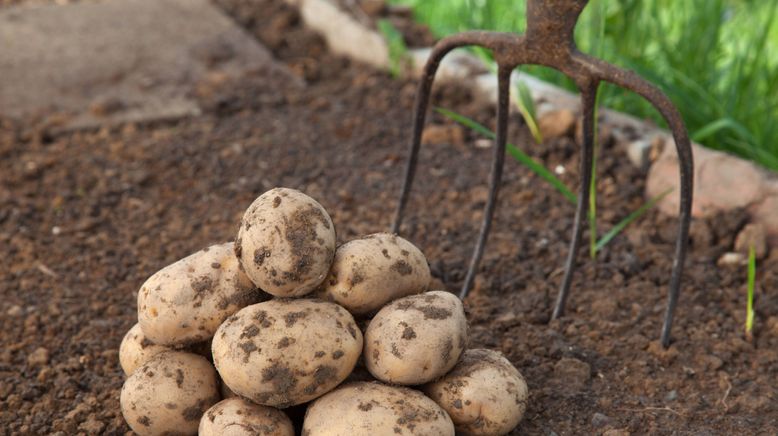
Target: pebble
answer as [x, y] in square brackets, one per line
[14, 311]
[752, 235]
[38, 357]
[557, 123]
[732, 259]
[599, 420]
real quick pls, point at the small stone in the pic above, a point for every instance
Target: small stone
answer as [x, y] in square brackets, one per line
[92, 426]
[732, 259]
[766, 213]
[14, 311]
[557, 123]
[442, 134]
[599, 420]
[672, 395]
[616, 432]
[38, 357]
[483, 143]
[752, 235]
[638, 152]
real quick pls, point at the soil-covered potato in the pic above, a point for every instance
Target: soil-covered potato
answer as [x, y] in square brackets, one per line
[484, 394]
[286, 352]
[135, 350]
[186, 302]
[416, 339]
[169, 393]
[238, 417]
[286, 242]
[369, 272]
[372, 408]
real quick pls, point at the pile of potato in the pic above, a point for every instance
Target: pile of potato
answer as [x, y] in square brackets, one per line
[230, 336]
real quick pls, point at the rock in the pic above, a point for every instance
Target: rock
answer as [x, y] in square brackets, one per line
[766, 213]
[721, 182]
[38, 357]
[92, 426]
[571, 374]
[599, 420]
[483, 143]
[14, 311]
[732, 259]
[442, 134]
[557, 123]
[119, 61]
[638, 152]
[752, 235]
[616, 432]
[671, 396]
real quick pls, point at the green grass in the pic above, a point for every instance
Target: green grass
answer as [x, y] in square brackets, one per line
[750, 295]
[716, 59]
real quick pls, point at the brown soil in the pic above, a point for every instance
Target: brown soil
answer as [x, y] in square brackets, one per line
[86, 217]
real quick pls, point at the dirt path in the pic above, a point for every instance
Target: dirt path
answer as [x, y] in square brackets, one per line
[86, 217]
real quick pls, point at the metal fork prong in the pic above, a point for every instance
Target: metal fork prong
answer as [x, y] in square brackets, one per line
[588, 101]
[498, 161]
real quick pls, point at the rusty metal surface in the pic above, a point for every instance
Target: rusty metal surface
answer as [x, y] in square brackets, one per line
[549, 41]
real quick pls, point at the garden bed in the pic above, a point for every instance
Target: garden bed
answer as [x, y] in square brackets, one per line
[87, 217]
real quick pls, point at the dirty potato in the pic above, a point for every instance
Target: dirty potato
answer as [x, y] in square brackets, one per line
[186, 302]
[286, 242]
[286, 352]
[484, 394]
[369, 272]
[372, 408]
[169, 393]
[135, 350]
[416, 339]
[238, 417]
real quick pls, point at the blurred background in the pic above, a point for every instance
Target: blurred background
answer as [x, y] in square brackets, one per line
[716, 59]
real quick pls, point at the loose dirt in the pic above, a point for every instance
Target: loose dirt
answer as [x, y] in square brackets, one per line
[86, 217]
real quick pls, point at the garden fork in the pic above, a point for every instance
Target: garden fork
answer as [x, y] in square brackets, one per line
[549, 41]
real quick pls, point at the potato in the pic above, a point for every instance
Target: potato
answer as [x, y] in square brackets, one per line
[238, 417]
[186, 302]
[286, 352]
[135, 350]
[369, 272]
[416, 339]
[364, 408]
[169, 393]
[286, 242]
[484, 394]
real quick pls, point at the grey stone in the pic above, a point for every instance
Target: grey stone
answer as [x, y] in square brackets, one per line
[118, 60]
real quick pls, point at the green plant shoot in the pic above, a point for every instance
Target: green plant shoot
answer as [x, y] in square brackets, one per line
[751, 285]
[398, 51]
[527, 109]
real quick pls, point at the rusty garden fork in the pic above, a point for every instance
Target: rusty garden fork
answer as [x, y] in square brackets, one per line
[549, 41]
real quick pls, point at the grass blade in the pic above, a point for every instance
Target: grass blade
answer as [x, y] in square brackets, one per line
[751, 283]
[534, 166]
[527, 108]
[607, 237]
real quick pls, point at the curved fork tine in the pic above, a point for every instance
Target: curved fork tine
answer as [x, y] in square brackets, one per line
[588, 100]
[503, 98]
[442, 48]
[659, 100]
